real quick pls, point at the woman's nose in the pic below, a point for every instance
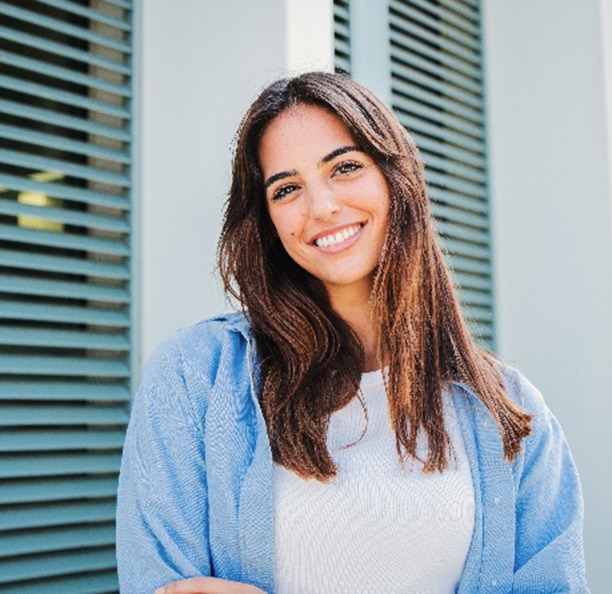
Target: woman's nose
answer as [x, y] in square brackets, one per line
[323, 203]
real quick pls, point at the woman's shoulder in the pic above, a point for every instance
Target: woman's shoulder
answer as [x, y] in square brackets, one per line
[193, 354]
[518, 388]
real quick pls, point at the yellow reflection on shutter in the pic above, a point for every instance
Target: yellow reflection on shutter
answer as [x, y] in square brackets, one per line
[41, 199]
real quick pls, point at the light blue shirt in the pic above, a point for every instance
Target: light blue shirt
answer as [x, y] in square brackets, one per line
[195, 492]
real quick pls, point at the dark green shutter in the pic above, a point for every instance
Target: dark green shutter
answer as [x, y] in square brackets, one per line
[437, 92]
[65, 290]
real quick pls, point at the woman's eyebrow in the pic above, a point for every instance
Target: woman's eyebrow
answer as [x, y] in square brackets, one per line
[279, 175]
[339, 151]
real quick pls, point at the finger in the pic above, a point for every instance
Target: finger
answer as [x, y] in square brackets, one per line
[207, 585]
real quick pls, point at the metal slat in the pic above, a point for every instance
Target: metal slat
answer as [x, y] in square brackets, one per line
[72, 76]
[445, 107]
[62, 27]
[120, 3]
[433, 56]
[67, 290]
[402, 55]
[45, 490]
[99, 583]
[477, 314]
[473, 282]
[462, 264]
[462, 9]
[62, 390]
[41, 441]
[62, 366]
[470, 297]
[47, 92]
[467, 203]
[54, 565]
[16, 310]
[445, 45]
[88, 13]
[40, 465]
[443, 118]
[55, 190]
[56, 514]
[35, 162]
[62, 215]
[444, 212]
[57, 540]
[61, 415]
[64, 240]
[65, 121]
[436, 109]
[59, 49]
[64, 144]
[449, 152]
[438, 11]
[414, 123]
[453, 170]
[450, 183]
[410, 76]
[467, 250]
[29, 261]
[445, 31]
[74, 339]
[463, 233]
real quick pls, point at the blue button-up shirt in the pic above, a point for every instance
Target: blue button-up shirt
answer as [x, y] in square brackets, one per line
[195, 492]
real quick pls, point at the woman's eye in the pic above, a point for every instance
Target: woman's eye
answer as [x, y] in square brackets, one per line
[347, 167]
[283, 191]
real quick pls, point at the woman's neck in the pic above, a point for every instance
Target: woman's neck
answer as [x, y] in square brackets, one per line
[356, 310]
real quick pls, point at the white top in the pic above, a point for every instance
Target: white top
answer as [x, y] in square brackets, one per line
[378, 526]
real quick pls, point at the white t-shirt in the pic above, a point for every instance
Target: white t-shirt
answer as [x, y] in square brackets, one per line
[379, 526]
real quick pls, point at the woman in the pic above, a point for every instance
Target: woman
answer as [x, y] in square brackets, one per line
[345, 434]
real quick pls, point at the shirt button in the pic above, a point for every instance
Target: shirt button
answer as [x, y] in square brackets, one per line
[494, 583]
[496, 500]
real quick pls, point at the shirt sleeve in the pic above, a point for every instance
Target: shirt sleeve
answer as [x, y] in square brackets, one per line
[162, 518]
[549, 554]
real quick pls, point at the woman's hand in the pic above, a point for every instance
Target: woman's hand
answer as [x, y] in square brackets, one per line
[208, 585]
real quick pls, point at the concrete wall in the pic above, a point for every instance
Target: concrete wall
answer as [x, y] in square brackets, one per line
[203, 62]
[549, 148]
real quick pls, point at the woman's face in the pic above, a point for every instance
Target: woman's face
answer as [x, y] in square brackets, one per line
[327, 199]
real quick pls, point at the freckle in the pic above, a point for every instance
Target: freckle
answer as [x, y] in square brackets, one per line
[292, 234]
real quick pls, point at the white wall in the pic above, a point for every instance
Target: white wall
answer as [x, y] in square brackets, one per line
[549, 149]
[202, 64]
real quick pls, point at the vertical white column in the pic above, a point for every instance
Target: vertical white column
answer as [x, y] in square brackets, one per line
[370, 51]
[549, 154]
[309, 35]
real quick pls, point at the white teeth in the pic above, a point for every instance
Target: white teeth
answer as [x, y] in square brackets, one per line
[335, 238]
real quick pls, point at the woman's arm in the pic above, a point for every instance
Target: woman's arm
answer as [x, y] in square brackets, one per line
[549, 554]
[162, 517]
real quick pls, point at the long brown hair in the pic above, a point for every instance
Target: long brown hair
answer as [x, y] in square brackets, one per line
[311, 360]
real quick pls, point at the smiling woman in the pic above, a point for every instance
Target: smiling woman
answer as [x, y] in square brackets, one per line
[329, 203]
[344, 433]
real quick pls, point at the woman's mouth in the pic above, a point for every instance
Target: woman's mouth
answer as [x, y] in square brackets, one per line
[339, 239]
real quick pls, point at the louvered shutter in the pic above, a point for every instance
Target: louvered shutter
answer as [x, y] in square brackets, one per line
[342, 37]
[437, 92]
[65, 290]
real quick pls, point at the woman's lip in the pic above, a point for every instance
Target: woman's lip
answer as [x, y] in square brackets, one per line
[335, 230]
[343, 245]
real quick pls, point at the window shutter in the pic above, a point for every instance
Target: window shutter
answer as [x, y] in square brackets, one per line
[342, 38]
[65, 290]
[437, 92]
